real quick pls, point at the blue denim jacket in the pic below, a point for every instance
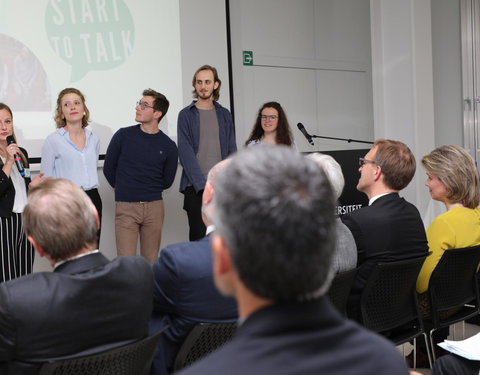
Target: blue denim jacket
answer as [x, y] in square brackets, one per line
[188, 133]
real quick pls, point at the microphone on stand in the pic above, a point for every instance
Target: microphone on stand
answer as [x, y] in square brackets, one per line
[305, 133]
[17, 157]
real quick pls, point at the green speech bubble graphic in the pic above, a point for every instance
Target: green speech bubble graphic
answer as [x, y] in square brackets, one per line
[90, 34]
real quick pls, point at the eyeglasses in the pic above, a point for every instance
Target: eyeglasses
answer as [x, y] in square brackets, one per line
[362, 161]
[143, 105]
[271, 117]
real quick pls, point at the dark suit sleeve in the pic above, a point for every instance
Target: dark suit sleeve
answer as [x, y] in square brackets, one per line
[7, 327]
[354, 227]
[165, 292]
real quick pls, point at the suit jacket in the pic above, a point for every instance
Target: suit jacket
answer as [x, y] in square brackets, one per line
[184, 295]
[86, 305]
[302, 338]
[389, 230]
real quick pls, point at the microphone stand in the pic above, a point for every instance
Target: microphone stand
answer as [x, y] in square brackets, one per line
[341, 139]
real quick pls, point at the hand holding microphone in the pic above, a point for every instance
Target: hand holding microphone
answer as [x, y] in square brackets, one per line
[16, 156]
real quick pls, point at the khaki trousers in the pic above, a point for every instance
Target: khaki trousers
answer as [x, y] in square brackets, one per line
[134, 218]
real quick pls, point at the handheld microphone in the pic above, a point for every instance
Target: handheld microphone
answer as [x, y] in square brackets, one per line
[17, 157]
[305, 133]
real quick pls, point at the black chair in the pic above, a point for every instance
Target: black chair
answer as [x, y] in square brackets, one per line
[389, 304]
[203, 339]
[132, 359]
[340, 289]
[453, 284]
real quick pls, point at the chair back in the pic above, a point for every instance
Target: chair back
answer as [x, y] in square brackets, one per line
[389, 299]
[453, 283]
[340, 289]
[203, 339]
[132, 359]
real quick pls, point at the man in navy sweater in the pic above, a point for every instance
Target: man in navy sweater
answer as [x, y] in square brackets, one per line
[141, 162]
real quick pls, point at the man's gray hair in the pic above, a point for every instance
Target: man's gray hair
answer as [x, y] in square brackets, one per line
[275, 210]
[61, 218]
[332, 169]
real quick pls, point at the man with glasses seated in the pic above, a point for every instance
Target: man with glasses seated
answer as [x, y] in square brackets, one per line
[141, 162]
[389, 228]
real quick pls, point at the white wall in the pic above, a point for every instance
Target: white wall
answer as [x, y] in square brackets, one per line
[313, 57]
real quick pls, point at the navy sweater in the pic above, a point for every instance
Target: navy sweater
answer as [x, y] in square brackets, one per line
[139, 165]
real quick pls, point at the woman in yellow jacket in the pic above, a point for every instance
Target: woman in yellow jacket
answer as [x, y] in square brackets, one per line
[453, 180]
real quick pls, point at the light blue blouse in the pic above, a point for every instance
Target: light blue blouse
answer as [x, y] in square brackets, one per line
[61, 158]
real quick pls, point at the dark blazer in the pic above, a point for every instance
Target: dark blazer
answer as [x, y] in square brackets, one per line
[302, 338]
[7, 190]
[390, 229]
[184, 294]
[85, 305]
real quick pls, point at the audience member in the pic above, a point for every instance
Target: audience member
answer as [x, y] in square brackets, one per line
[71, 152]
[271, 127]
[184, 293]
[389, 228]
[272, 248]
[205, 136]
[141, 162]
[345, 254]
[17, 254]
[454, 365]
[87, 303]
[452, 179]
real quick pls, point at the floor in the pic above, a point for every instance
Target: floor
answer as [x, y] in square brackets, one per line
[470, 330]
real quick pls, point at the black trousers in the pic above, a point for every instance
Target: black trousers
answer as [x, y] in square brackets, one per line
[97, 202]
[192, 203]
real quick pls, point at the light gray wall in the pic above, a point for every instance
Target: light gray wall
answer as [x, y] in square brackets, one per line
[447, 73]
[314, 58]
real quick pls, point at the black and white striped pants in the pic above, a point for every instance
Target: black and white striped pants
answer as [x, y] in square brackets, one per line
[17, 253]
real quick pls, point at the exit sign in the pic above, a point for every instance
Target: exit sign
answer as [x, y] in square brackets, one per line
[247, 57]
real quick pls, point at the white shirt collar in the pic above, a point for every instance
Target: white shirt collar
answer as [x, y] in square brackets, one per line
[75, 257]
[373, 199]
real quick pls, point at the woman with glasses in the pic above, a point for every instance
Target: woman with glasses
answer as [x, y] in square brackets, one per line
[71, 152]
[17, 254]
[271, 127]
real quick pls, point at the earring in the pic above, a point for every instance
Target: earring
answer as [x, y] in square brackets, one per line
[84, 113]
[63, 117]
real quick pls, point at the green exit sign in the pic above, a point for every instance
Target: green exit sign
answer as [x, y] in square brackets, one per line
[247, 57]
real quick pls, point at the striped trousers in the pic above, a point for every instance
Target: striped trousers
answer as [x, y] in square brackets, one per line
[17, 253]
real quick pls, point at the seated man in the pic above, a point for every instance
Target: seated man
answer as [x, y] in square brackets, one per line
[272, 248]
[184, 293]
[87, 304]
[389, 228]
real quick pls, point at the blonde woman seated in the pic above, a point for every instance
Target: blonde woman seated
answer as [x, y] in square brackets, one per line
[345, 254]
[453, 180]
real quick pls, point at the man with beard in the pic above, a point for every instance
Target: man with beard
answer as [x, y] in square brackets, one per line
[205, 136]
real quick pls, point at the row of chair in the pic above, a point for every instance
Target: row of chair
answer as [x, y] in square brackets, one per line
[389, 303]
